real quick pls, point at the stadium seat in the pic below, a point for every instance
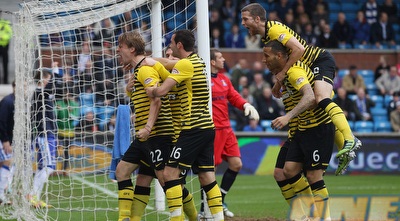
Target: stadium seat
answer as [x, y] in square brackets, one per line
[372, 88]
[379, 112]
[378, 99]
[334, 7]
[366, 73]
[383, 126]
[233, 124]
[342, 72]
[266, 125]
[386, 100]
[364, 126]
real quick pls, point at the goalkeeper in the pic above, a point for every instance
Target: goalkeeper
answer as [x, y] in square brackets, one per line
[225, 143]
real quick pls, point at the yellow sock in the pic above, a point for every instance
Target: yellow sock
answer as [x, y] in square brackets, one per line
[287, 191]
[188, 205]
[140, 201]
[174, 197]
[339, 139]
[339, 120]
[304, 201]
[125, 198]
[214, 200]
[321, 198]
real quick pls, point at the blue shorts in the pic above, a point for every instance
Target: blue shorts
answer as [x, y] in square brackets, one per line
[45, 151]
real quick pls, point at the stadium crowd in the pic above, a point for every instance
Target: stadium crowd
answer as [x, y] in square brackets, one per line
[94, 80]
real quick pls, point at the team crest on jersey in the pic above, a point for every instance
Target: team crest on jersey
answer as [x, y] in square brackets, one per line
[148, 80]
[299, 80]
[224, 83]
[281, 37]
[174, 71]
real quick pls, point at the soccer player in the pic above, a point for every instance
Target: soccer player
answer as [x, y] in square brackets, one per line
[321, 63]
[195, 145]
[225, 144]
[6, 137]
[153, 129]
[44, 134]
[311, 147]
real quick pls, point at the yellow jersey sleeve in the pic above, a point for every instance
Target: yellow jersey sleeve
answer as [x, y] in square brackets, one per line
[148, 76]
[183, 70]
[297, 77]
[280, 33]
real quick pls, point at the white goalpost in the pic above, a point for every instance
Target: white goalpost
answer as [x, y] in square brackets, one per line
[75, 40]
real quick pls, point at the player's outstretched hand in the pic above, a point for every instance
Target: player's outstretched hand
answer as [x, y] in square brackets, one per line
[250, 110]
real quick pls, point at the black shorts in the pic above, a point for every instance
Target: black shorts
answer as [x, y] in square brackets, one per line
[324, 67]
[281, 159]
[138, 153]
[313, 147]
[160, 148]
[194, 149]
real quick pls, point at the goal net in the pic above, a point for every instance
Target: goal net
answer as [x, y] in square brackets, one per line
[76, 40]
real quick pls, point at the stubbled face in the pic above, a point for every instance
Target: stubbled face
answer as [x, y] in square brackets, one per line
[219, 61]
[174, 47]
[249, 23]
[124, 53]
[271, 60]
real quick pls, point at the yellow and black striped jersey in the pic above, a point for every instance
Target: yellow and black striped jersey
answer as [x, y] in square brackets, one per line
[193, 91]
[298, 76]
[174, 100]
[146, 77]
[275, 30]
[293, 123]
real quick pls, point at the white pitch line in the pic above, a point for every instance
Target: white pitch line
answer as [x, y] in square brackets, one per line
[102, 189]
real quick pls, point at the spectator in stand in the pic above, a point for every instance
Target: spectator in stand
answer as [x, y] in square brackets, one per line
[290, 22]
[257, 86]
[228, 11]
[282, 7]
[370, 9]
[111, 125]
[87, 124]
[240, 69]
[252, 42]
[303, 20]
[326, 39]
[389, 82]
[394, 103]
[243, 82]
[67, 113]
[268, 107]
[353, 81]
[395, 119]
[217, 40]
[382, 32]
[337, 81]
[319, 14]
[248, 97]
[342, 31]
[391, 10]
[253, 126]
[301, 6]
[104, 32]
[364, 105]
[361, 30]
[309, 35]
[382, 68]
[347, 105]
[84, 57]
[273, 16]
[258, 67]
[216, 22]
[234, 39]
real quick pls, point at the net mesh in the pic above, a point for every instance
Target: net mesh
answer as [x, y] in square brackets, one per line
[75, 40]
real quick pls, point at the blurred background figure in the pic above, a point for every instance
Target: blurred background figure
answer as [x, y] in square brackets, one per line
[5, 37]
